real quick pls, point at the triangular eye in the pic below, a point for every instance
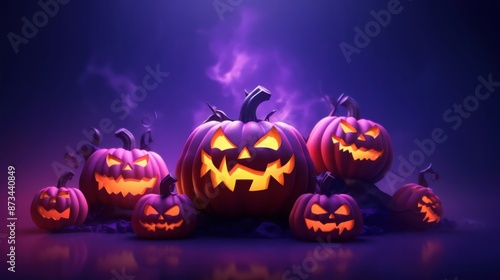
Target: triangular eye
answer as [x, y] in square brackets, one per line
[220, 141]
[426, 199]
[343, 210]
[149, 210]
[173, 211]
[373, 132]
[317, 209]
[347, 127]
[271, 140]
[142, 161]
[44, 195]
[112, 160]
[63, 194]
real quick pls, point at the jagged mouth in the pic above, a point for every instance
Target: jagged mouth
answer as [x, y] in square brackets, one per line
[260, 179]
[53, 213]
[358, 153]
[165, 226]
[329, 227]
[124, 186]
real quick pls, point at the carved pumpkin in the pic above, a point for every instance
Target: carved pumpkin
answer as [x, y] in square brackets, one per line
[168, 215]
[246, 167]
[121, 176]
[419, 207]
[350, 147]
[329, 217]
[56, 207]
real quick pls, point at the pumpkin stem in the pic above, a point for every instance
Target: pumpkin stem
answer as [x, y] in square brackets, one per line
[146, 140]
[127, 137]
[347, 102]
[421, 176]
[68, 175]
[167, 185]
[269, 115]
[96, 137]
[248, 110]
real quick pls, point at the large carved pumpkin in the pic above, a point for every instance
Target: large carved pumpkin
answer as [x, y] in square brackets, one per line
[56, 207]
[121, 176]
[418, 206]
[246, 167]
[350, 147]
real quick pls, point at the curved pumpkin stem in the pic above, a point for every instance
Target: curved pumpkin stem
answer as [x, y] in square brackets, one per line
[421, 176]
[146, 140]
[351, 105]
[248, 110]
[167, 185]
[68, 175]
[127, 137]
[269, 115]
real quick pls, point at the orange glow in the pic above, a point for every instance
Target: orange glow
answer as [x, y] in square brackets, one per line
[124, 186]
[357, 153]
[112, 160]
[165, 226]
[220, 141]
[328, 227]
[53, 213]
[271, 140]
[347, 127]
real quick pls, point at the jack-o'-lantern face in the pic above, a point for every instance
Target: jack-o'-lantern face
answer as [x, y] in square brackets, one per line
[255, 162]
[121, 176]
[127, 166]
[327, 222]
[356, 142]
[54, 204]
[336, 217]
[429, 206]
[168, 220]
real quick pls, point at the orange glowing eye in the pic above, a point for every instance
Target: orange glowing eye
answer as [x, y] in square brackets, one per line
[44, 195]
[220, 141]
[426, 199]
[63, 194]
[271, 140]
[173, 211]
[112, 160]
[142, 161]
[373, 132]
[149, 210]
[343, 210]
[347, 127]
[317, 209]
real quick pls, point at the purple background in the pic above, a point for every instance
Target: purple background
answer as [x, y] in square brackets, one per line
[90, 53]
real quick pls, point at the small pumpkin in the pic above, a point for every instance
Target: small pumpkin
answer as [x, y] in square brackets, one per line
[57, 206]
[418, 206]
[121, 176]
[334, 217]
[168, 215]
[246, 167]
[350, 147]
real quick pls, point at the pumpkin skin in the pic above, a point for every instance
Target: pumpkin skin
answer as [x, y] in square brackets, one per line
[56, 207]
[333, 218]
[247, 167]
[121, 176]
[419, 207]
[350, 147]
[165, 216]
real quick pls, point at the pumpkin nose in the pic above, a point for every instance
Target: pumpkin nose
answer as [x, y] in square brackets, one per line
[361, 137]
[244, 154]
[127, 167]
[331, 216]
[160, 218]
[53, 200]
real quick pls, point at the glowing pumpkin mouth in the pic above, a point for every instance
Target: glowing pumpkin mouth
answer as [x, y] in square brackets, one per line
[124, 186]
[53, 213]
[260, 179]
[357, 153]
[430, 215]
[329, 227]
[166, 226]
